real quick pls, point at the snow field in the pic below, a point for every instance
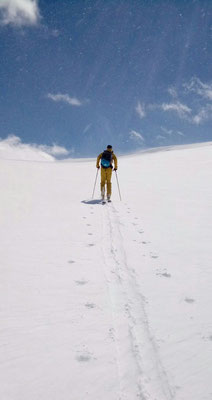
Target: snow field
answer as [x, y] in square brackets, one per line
[107, 302]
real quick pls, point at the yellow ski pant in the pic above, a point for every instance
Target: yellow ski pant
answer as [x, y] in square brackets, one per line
[106, 174]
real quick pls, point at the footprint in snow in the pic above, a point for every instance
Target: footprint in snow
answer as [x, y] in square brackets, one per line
[164, 274]
[71, 262]
[206, 338]
[189, 300]
[90, 234]
[153, 255]
[91, 244]
[127, 309]
[81, 282]
[90, 305]
[112, 333]
[84, 356]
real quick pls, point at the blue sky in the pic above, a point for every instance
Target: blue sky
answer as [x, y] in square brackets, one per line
[84, 74]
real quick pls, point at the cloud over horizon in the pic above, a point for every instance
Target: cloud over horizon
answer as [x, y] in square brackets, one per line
[13, 148]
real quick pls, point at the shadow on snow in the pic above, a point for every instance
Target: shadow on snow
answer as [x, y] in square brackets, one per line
[95, 201]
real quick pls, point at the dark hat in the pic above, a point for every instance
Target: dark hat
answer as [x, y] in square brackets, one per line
[109, 146]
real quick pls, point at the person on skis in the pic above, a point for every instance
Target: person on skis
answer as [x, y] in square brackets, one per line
[108, 158]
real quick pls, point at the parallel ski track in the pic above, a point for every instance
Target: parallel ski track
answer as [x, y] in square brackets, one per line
[135, 344]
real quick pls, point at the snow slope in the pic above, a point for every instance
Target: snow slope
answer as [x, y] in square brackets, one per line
[107, 302]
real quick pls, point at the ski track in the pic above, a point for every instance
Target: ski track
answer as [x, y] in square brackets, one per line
[141, 373]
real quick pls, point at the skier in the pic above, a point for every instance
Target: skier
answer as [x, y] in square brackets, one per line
[107, 159]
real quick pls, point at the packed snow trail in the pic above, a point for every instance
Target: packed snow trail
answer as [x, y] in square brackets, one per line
[141, 373]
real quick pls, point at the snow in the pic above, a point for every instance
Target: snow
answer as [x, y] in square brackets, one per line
[107, 302]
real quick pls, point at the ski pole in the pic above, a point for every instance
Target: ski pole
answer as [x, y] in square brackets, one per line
[118, 184]
[95, 183]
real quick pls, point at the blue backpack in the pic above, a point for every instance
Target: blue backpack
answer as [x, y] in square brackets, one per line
[106, 159]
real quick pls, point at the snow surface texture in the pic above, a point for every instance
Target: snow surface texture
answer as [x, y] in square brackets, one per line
[107, 302]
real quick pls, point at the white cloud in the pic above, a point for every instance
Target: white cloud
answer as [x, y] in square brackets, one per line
[197, 115]
[180, 133]
[181, 109]
[11, 140]
[86, 129]
[159, 137]
[203, 115]
[136, 136]
[200, 88]
[172, 91]
[167, 131]
[140, 109]
[170, 132]
[73, 101]
[53, 150]
[13, 148]
[19, 12]
[184, 112]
